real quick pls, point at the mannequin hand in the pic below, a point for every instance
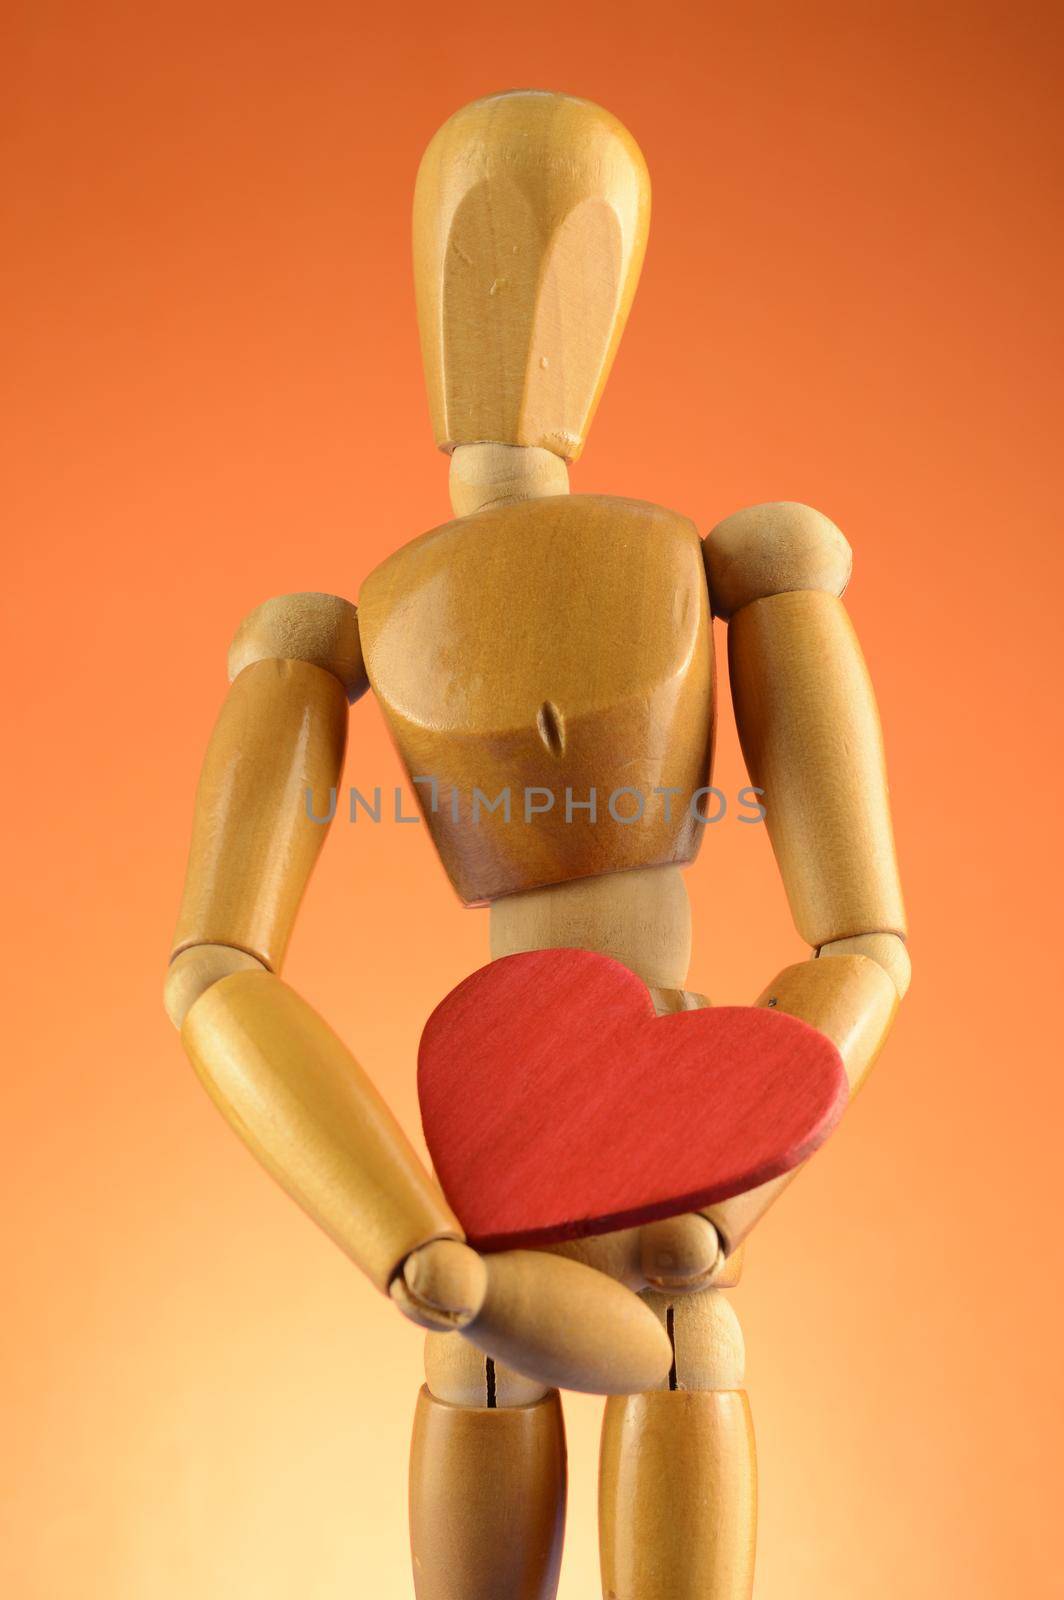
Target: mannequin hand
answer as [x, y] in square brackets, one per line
[551, 1318]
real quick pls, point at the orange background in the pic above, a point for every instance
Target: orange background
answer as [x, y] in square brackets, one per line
[214, 395]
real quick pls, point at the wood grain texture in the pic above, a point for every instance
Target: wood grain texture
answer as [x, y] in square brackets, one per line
[641, 918]
[305, 1108]
[772, 549]
[442, 1284]
[679, 1252]
[887, 950]
[853, 1004]
[810, 733]
[678, 1497]
[675, 1252]
[554, 645]
[281, 731]
[852, 1001]
[556, 1103]
[554, 1322]
[321, 629]
[707, 1341]
[531, 213]
[487, 1500]
[619, 1254]
[729, 1272]
[192, 972]
[666, 1001]
[483, 476]
[567, 1326]
[456, 1371]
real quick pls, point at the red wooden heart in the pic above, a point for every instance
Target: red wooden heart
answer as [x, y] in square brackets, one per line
[556, 1104]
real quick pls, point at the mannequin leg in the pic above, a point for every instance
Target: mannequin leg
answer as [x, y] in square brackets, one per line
[678, 1480]
[487, 1480]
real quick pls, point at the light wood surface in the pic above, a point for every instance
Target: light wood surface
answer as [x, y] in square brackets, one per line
[886, 949]
[567, 1325]
[707, 1341]
[641, 918]
[320, 629]
[484, 476]
[853, 1003]
[304, 1107]
[810, 733]
[530, 222]
[679, 1252]
[618, 1254]
[456, 1371]
[852, 1000]
[281, 731]
[772, 549]
[442, 1285]
[631, 1254]
[605, 684]
[668, 1001]
[555, 1322]
[678, 1497]
[487, 1500]
[729, 1270]
[192, 972]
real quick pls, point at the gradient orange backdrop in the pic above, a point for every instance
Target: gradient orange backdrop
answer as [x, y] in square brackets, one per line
[213, 395]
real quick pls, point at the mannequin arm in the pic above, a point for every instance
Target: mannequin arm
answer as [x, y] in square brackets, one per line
[286, 1083]
[809, 729]
[278, 1075]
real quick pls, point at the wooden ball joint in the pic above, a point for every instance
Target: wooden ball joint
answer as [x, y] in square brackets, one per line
[558, 645]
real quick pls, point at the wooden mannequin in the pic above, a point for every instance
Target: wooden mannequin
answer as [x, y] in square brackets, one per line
[542, 635]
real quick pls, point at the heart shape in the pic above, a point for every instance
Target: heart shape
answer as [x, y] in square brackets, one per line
[556, 1104]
